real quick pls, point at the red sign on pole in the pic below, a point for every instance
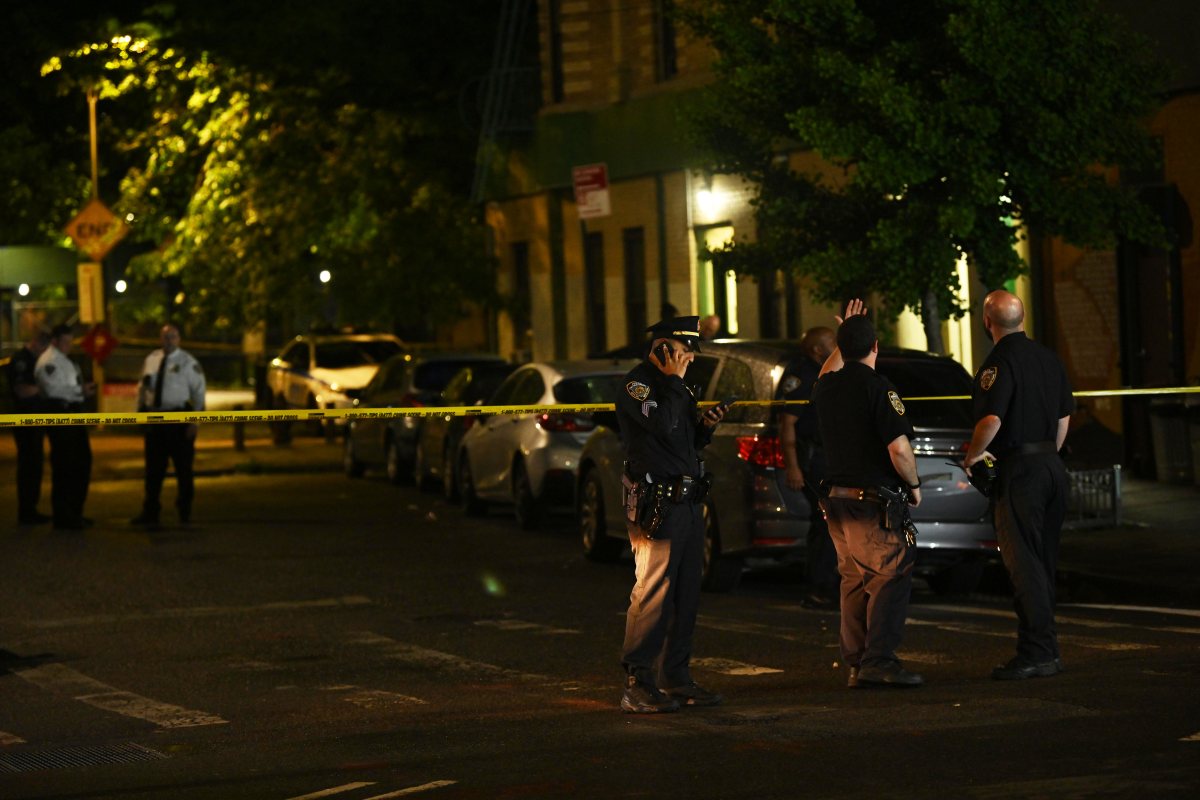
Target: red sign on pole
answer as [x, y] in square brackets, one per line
[98, 343]
[591, 190]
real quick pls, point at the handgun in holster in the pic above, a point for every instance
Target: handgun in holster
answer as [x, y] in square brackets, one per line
[643, 503]
[894, 514]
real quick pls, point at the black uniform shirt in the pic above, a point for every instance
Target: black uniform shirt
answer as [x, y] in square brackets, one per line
[658, 422]
[1025, 385]
[860, 413]
[798, 385]
[20, 373]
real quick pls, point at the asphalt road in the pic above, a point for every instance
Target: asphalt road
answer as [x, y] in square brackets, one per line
[312, 636]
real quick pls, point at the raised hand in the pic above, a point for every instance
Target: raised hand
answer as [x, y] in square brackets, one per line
[854, 308]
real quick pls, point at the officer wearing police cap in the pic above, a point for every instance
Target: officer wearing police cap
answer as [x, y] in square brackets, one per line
[866, 434]
[1023, 403]
[663, 433]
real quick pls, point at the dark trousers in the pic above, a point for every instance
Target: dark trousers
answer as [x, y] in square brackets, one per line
[31, 443]
[70, 471]
[822, 566]
[1029, 506]
[876, 568]
[665, 598]
[169, 443]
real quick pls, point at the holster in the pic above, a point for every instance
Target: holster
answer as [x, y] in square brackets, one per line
[894, 513]
[643, 504]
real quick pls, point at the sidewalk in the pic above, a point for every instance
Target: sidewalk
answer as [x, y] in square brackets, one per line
[1152, 558]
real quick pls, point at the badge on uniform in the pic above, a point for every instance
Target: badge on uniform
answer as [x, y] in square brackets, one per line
[175, 368]
[896, 403]
[790, 384]
[638, 391]
[987, 378]
[50, 369]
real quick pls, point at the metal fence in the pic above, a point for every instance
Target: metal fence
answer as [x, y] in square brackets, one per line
[1095, 498]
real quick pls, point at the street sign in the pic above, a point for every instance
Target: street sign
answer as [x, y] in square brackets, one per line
[91, 292]
[591, 190]
[98, 343]
[96, 230]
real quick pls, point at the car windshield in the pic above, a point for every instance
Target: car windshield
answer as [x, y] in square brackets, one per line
[927, 377]
[432, 376]
[486, 381]
[340, 355]
[589, 389]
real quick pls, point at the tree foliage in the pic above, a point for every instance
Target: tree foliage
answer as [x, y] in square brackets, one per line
[947, 128]
[251, 185]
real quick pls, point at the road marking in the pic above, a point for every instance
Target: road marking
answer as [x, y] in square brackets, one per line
[424, 657]
[10, 738]
[1081, 641]
[349, 601]
[728, 667]
[754, 628]
[1182, 612]
[424, 787]
[1080, 621]
[374, 698]
[1195, 737]
[61, 679]
[520, 625]
[349, 787]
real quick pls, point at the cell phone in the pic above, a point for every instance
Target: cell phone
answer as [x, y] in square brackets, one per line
[728, 401]
[661, 351]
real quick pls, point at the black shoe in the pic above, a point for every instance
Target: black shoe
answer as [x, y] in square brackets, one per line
[1020, 668]
[36, 518]
[144, 518]
[852, 680]
[889, 674]
[642, 698]
[693, 695]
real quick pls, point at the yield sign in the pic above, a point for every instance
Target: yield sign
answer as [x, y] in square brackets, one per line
[96, 230]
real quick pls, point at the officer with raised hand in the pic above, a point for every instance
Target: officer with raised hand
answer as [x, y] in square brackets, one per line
[172, 380]
[870, 459]
[62, 386]
[30, 439]
[665, 484]
[1023, 404]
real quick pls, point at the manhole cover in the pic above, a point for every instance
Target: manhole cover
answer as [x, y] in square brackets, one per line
[64, 757]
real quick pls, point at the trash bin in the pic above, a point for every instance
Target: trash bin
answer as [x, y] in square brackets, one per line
[1171, 438]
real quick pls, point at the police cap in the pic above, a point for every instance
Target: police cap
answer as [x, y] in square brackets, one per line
[684, 329]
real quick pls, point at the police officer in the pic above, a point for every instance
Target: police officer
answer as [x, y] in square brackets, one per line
[663, 433]
[804, 459]
[1023, 403]
[866, 436]
[30, 439]
[64, 391]
[172, 380]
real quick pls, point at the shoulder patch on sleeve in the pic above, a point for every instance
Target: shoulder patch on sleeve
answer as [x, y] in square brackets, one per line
[790, 384]
[50, 369]
[196, 368]
[896, 403]
[987, 378]
[638, 391]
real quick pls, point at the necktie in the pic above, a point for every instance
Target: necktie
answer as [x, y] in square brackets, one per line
[158, 383]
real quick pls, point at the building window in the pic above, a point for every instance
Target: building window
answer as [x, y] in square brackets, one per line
[593, 267]
[666, 66]
[634, 240]
[522, 296]
[556, 52]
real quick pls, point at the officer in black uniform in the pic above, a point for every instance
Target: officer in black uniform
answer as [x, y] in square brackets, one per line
[663, 433]
[866, 436]
[804, 459]
[30, 439]
[1023, 404]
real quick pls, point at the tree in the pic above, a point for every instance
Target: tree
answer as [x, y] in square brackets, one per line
[252, 184]
[948, 129]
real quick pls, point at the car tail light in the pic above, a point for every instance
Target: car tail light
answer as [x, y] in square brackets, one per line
[565, 423]
[411, 399]
[467, 422]
[761, 451]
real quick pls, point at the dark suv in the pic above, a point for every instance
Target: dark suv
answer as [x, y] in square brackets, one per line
[752, 513]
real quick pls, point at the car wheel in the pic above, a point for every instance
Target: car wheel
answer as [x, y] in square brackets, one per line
[315, 427]
[420, 468]
[393, 463]
[474, 506]
[528, 510]
[721, 573]
[350, 463]
[960, 578]
[597, 544]
[449, 477]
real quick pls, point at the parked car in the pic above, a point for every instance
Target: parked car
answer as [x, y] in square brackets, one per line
[326, 371]
[405, 380]
[529, 461]
[752, 513]
[440, 436]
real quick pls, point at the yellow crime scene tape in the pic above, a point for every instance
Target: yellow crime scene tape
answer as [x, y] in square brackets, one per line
[347, 414]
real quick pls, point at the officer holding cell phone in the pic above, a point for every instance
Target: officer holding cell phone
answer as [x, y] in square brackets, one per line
[663, 433]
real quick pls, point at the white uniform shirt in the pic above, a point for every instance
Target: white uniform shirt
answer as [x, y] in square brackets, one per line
[183, 382]
[58, 377]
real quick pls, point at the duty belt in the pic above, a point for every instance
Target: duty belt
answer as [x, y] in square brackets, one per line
[854, 493]
[1034, 448]
[681, 488]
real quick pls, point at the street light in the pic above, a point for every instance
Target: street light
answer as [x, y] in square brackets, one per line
[325, 276]
[120, 286]
[23, 289]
